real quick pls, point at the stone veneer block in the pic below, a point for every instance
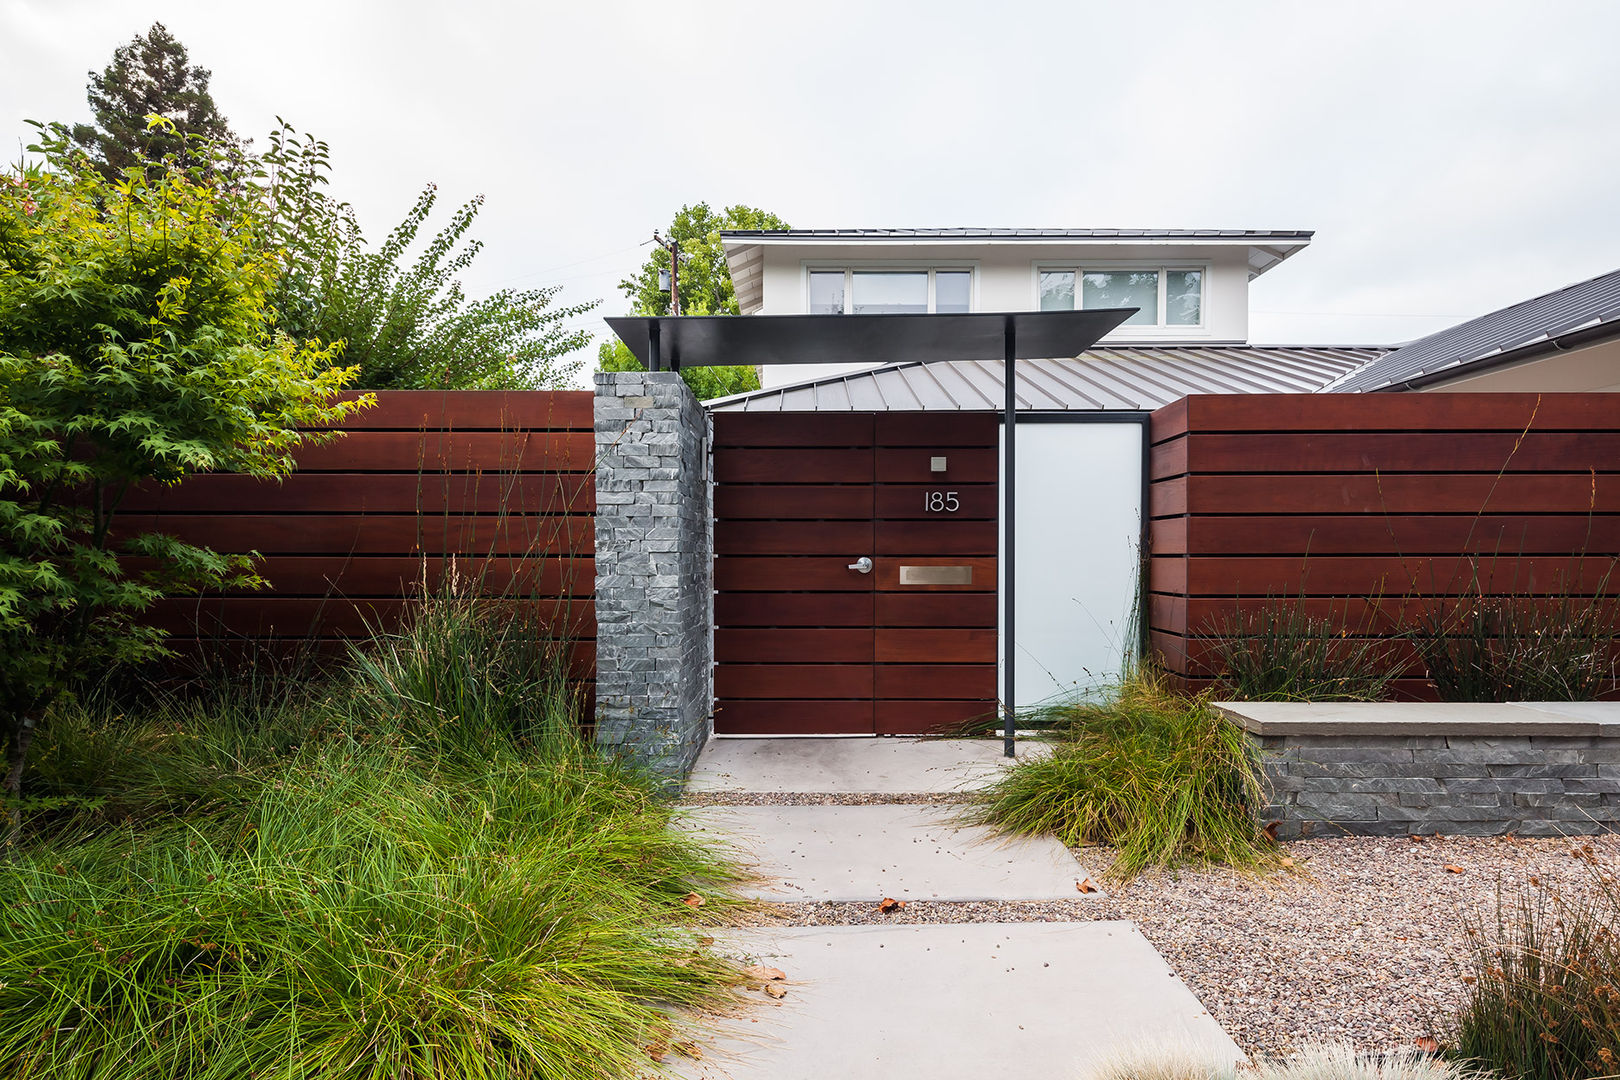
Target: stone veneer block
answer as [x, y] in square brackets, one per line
[1384, 769]
[654, 571]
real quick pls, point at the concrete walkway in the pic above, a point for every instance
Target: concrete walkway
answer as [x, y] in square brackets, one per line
[943, 1000]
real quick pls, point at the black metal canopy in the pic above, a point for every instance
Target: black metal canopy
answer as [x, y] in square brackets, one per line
[722, 340]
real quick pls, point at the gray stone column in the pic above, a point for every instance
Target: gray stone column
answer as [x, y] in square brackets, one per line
[654, 571]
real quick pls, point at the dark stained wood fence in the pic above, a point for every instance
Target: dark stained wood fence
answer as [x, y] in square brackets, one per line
[806, 645]
[496, 486]
[1370, 508]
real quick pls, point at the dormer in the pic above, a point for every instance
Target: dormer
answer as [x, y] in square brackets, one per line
[1190, 285]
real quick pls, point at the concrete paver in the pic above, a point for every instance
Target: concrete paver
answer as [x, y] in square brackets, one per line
[908, 852]
[957, 1002]
[853, 766]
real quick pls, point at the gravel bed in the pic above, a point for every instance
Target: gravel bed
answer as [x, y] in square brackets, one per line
[814, 798]
[1366, 943]
[1363, 940]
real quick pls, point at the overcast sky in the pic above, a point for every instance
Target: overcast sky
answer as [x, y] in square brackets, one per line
[1452, 157]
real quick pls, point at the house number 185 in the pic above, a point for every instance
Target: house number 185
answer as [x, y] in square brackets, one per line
[941, 502]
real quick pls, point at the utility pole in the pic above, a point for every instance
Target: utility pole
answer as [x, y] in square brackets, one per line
[674, 250]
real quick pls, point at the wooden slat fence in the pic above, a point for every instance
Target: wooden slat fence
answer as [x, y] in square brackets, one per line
[1369, 509]
[497, 485]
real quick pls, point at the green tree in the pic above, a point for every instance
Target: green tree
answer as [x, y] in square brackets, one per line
[152, 76]
[136, 347]
[400, 315]
[704, 285]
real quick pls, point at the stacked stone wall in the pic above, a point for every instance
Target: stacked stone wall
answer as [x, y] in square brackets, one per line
[654, 571]
[1391, 785]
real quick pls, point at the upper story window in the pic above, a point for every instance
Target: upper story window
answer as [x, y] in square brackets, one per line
[1163, 296]
[888, 292]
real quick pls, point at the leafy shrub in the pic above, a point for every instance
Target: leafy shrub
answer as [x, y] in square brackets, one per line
[1544, 1003]
[1277, 652]
[397, 310]
[136, 346]
[1160, 776]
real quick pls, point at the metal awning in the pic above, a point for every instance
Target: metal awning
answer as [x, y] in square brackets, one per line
[671, 342]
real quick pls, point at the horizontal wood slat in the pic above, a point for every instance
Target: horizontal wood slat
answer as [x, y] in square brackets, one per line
[493, 488]
[1504, 536]
[1410, 451]
[374, 493]
[793, 681]
[932, 430]
[452, 451]
[937, 609]
[912, 646]
[844, 645]
[915, 466]
[929, 717]
[1372, 510]
[733, 430]
[473, 410]
[377, 534]
[785, 466]
[793, 502]
[739, 716]
[1387, 412]
[968, 682]
[846, 539]
[793, 609]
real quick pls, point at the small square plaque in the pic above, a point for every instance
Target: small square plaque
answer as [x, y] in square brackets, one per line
[936, 464]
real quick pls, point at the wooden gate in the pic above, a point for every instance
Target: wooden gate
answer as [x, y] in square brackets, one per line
[805, 643]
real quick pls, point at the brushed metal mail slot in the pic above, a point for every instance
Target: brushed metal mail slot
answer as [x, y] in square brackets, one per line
[936, 575]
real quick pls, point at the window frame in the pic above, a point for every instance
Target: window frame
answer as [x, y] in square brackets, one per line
[850, 269]
[1116, 266]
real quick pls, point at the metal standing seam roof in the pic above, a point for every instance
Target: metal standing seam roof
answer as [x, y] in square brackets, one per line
[1108, 377]
[1589, 308]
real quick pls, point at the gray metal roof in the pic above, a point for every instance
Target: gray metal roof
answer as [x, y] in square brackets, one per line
[1587, 311]
[1109, 377]
[973, 233]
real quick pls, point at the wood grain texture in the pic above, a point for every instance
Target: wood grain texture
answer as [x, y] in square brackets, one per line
[1372, 510]
[793, 502]
[738, 716]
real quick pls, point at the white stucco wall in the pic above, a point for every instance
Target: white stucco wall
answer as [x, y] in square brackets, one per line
[1005, 276]
[1595, 369]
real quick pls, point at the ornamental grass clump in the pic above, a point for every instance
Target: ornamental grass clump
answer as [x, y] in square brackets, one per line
[1544, 986]
[1160, 776]
[338, 885]
[1277, 652]
[1559, 647]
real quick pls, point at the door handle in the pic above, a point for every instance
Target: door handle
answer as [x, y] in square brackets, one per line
[863, 564]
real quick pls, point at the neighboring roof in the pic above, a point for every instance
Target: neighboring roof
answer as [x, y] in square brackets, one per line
[1109, 377]
[708, 340]
[745, 255]
[1575, 315]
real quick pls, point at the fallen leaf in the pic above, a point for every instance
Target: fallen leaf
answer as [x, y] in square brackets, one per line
[1427, 1044]
[1453, 868]
[1415, 838]
[705, 941]
[692, 899]
[1086, 886]
[1287, 861]
[1270, 831]
[890, 905]
[657, 1051]
[775, 991]
[761, 973]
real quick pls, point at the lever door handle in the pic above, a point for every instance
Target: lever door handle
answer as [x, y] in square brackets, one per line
[863, 564]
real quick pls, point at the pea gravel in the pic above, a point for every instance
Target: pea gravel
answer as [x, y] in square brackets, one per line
[1363, 940]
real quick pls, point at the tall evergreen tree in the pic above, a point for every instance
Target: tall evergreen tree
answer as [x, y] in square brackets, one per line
[150, 74]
